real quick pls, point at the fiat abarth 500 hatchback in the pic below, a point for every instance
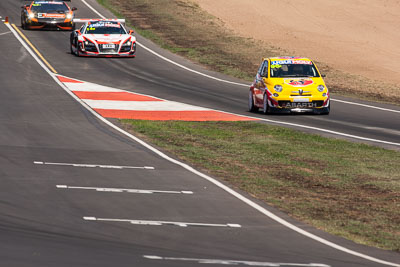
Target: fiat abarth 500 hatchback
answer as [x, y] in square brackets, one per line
[289, 85]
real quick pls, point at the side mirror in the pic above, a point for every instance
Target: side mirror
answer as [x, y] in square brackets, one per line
[323, 75]
[74, 8]
[131, 32]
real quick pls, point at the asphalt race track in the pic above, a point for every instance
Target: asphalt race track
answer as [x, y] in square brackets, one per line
[77, 192]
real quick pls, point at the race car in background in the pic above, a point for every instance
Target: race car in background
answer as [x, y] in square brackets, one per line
[102, 38]
[47, 14]
[289, 85]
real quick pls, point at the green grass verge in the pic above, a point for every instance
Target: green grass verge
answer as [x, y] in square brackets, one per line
[351, 190]
[347, 189]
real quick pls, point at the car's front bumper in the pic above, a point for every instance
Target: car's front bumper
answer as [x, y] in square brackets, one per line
[315, 106]
[50, 24]
[324, 110]
[93, 51]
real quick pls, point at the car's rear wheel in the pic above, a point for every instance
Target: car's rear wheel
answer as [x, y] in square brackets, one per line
[252, 107]
[266, 108]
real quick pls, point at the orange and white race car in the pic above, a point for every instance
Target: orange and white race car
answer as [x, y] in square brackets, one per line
[102, 38]
[289, 85]
[47, 14]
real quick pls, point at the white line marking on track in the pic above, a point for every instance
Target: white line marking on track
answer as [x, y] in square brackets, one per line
[92, 165]
[91, 87]
[329, 131]
[218, 79]
[142, 105]
[235, 262]
[4, 33]
[161, 223]
[124, 190]
[191, 169]
[366, 106]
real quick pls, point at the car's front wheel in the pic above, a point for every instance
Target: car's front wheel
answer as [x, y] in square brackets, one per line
[328, 109]
[252, 107]
[23, 23]
[266, 108]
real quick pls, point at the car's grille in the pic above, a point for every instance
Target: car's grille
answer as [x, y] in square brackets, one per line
[313, 104]
[104, 49]
[303, 94]
[49, 20]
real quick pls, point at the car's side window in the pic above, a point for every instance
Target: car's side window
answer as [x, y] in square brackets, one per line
[260, 68]
[264, 69]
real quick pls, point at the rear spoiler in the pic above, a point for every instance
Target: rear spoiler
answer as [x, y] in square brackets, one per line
[86, 20]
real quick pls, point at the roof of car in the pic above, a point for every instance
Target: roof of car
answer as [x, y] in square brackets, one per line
[287, 58]
[48, 2]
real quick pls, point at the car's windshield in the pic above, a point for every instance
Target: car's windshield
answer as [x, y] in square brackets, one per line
[293, 68]
[45, 7]
[105, 27]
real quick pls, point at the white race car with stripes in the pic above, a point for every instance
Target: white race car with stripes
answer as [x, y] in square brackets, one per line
[102, 38]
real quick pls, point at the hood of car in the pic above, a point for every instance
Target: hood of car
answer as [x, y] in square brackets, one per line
[297, 86]
[296, 82]
[108, 38]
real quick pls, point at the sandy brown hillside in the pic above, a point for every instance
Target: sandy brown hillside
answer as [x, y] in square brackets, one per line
[358, 36]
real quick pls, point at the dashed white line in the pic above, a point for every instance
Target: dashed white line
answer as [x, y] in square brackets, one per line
[4, 33]
[162, 223]
[92, 165]
[235, 262]
[124, 190]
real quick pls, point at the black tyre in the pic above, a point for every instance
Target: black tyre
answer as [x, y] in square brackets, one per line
[23, 25]
[252, 107]
[78, 52]
[328, 109]
[266, 108]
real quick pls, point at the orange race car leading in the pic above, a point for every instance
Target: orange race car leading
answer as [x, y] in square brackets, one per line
[47, 14]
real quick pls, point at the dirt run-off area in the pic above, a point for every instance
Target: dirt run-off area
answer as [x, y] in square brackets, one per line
[359, 36]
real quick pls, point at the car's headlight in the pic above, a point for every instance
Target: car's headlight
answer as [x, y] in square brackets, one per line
[129, 43]
[31, 15]
[278, 88]
[69, 16]
[89, 43]
[321, 88]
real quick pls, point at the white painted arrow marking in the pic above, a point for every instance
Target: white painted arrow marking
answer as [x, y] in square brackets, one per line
[235, 262]
[123, 190]
[92, 165]
[161, 223]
